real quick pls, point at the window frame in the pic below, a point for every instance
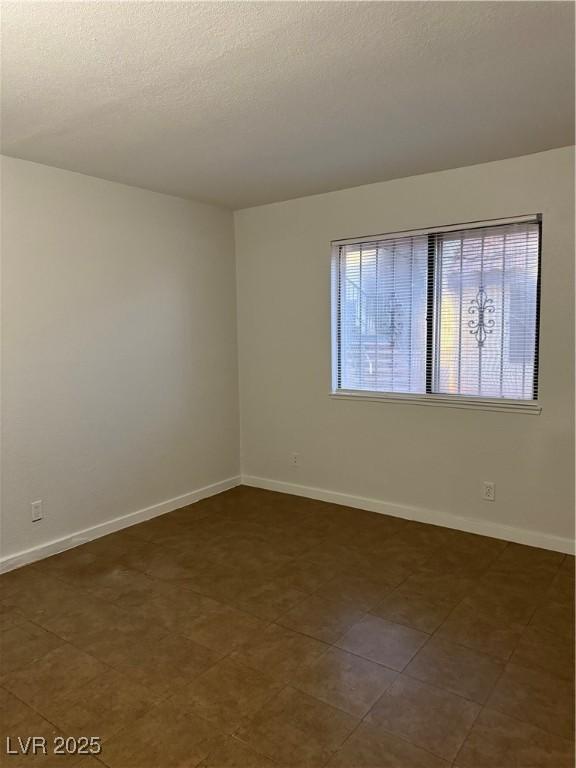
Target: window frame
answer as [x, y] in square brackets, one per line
[430, 397]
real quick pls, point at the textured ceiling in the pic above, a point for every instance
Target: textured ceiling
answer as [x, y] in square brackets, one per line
[242, 103]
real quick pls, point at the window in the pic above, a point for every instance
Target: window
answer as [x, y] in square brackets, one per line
[451, 312]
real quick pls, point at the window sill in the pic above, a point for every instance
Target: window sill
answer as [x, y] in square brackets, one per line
[443, 401]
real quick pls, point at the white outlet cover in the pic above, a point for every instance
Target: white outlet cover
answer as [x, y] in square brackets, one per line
[37, 512]
[489, 491]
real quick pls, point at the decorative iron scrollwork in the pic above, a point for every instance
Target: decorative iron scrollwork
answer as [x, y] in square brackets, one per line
[391, 325]
[481, 324]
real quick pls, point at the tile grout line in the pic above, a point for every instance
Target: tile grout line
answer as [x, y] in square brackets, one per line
[329, 645]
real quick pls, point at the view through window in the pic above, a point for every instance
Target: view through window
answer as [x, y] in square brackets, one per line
[450, 313]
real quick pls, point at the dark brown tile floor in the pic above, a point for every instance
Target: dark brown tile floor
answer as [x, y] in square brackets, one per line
[257, 629]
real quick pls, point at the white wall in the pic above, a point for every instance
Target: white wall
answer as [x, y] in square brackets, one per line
[120, 365]
[430, 458]
[119, 350]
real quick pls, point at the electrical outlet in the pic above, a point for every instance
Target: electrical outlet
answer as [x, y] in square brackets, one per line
[295, 459]
[37, 513]
[489, 491]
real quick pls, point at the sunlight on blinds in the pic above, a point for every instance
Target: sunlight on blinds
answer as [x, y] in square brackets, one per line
[486, 312]
[382, 315]
[445, 312]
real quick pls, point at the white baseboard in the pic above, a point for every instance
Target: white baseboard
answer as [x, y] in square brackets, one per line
[420, 514]
[10, 562]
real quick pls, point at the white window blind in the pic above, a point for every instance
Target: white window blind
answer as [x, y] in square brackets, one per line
[448, 313]
[382, 315]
